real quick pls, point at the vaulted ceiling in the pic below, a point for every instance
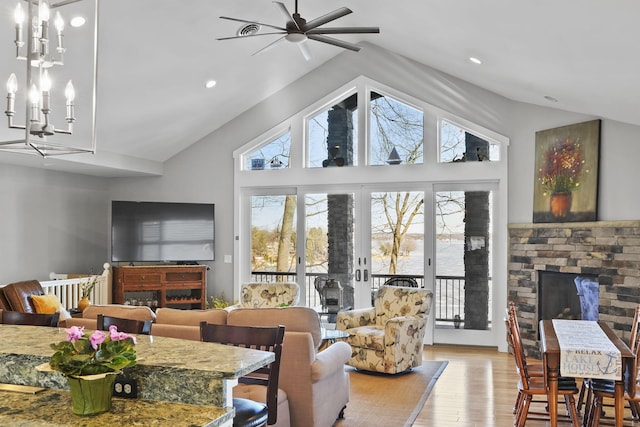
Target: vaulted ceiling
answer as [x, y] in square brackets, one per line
[155, 56]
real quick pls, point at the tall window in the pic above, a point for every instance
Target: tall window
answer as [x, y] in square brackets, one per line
[333, 135]
[274, 154]
[397, 133]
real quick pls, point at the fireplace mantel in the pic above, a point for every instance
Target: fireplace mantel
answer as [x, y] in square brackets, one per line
[609, 250]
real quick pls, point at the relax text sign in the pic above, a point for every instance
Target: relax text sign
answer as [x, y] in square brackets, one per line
[586, 351]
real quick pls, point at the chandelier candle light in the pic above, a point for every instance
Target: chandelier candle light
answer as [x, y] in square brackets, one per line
[39, 92]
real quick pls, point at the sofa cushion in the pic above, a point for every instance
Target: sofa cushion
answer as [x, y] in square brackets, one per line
[370, 336]
[294, 319]
[265, 295]
[183, 332]
[396, 301]
[135, 312]
[19, 294]
[258, 393]
[49, 304]
[4, 304]
[176, 316]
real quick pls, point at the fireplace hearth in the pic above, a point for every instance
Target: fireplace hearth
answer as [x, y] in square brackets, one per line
[607, 252]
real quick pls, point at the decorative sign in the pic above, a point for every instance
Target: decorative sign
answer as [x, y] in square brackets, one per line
[586, 351]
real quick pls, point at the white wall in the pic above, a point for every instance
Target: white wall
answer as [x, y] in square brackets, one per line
[619, 154]
[50, 221]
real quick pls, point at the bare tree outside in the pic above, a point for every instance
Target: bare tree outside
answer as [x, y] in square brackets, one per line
[395, 126]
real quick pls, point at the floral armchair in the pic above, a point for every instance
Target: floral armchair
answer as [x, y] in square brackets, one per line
[266, 295]
[388, 337]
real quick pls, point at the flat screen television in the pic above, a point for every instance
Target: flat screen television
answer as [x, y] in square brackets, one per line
[162, 232]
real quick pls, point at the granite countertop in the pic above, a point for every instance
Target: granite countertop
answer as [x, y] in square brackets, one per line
[168, 369]
[53, 408]
[222, 360]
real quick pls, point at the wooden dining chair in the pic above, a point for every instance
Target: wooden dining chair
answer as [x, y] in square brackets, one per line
[33, 319]
[530, 386]
[604, 389]
[130, 326]
[266, 338]
[586, 398]
[533, 369]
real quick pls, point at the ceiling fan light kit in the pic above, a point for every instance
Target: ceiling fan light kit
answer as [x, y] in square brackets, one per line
[297, 29]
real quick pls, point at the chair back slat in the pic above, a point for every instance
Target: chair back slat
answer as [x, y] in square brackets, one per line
[515, 341]
[631, 373]
[633, 339]
[130, 326]
[265, 338]
[409, 282]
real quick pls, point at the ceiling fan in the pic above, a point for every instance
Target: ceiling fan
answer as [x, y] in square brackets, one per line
[297, 30]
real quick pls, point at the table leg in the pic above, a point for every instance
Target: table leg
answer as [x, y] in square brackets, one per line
[618, 394]
[552, 389]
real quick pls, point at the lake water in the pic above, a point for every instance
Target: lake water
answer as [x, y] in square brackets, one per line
[449, 260]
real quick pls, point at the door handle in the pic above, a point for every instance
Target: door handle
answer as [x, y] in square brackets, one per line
[366, 275]
[357, 275]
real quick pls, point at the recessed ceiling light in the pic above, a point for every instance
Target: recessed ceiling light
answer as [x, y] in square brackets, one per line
[550, 98]
[475, 60]
[209, 84]
[77, 21]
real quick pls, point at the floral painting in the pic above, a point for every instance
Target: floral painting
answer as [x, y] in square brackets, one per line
[566, 173]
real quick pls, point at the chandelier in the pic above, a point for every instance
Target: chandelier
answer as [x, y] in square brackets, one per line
[45, 96]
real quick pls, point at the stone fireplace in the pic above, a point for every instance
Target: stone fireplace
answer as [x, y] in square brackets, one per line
[608, 252]
[557, 296]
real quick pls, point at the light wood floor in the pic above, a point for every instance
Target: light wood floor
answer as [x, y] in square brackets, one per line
[476, 389]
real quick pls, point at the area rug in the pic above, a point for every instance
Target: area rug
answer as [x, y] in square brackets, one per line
[389, 400]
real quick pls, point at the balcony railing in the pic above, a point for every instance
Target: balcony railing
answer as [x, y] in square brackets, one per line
[448, 300]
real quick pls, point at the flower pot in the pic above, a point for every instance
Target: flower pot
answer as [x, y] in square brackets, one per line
[560, 204]
[91, 395]
[83, 303]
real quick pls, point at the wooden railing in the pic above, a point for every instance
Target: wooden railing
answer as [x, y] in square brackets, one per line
[68, 287]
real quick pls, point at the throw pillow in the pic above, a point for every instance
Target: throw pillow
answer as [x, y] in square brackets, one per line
[49, 304]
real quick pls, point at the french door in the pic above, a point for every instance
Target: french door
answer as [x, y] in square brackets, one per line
[464, 252]
[361, 236]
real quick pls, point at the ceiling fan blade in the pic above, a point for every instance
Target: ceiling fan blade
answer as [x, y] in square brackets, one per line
[253, 22]
[335, 42]
[287, 16]
[249, 35]
[269, 46]
[345, 30]
[304, 49]
[338, 13]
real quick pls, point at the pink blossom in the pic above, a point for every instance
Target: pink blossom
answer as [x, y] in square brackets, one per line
[117, 336]
[74, 333]
[96, 339]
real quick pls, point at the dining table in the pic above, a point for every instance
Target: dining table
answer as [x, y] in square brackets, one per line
[583, 349]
